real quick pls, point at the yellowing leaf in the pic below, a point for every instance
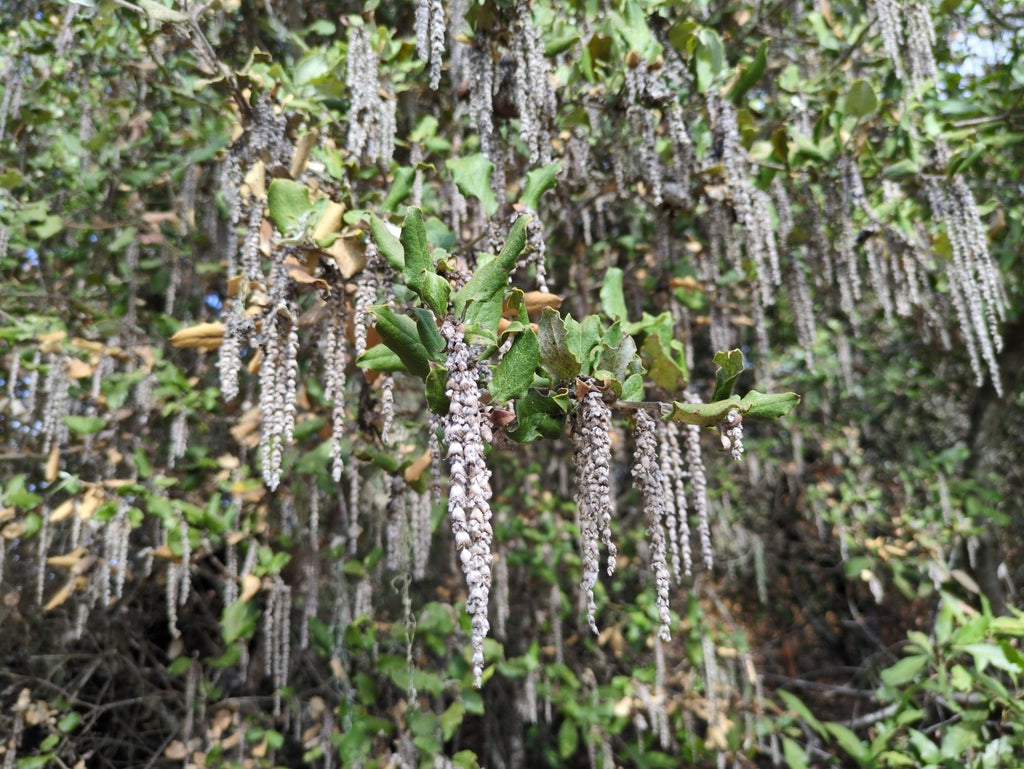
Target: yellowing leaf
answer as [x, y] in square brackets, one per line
[349, 255]
[63, 510]
[13, 530]
[330, 221]
[303, 147]
[87, 345]
[250, 587]
[300, 274]
[90, 503]
[67, 560]
[79, 369]
[536, 301]
[208, 336]
[256, 181]
[415, 470]
[59, 597]
[52, 465]
[176, 751]
[51, 342]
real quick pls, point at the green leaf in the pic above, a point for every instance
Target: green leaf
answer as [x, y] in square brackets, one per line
[796, 757]
[632, 388]
[436, 389]
[989, 654]
[539, 181]
[34, 762]
[555, 356]
[69, 721]
[161, 12]
[797, 705]
[730, 366]
[709, 58]
[490, 279]
[1013, 626]
[419, 270]
[514, 375]
[537, 416]
[666, 371]
[387, 243]
[472, 175]
[400, 188]
[238, 621]
[636, 31]
[703, 414]
[957, 740]
[85, 425]
[400, 334]
[451, 719]
[750, 74]
[415, 247]
[426, 326]
[901, 169]
[583, 340]
[48, 227]
[927, 750]
[612, 299]
[288, 203]
[764, 406]
[568, 738]
[465, 759]
[10, 178]
[847, 740]
[860, 100]
[616, 360]
[904, 671]
[380, 358]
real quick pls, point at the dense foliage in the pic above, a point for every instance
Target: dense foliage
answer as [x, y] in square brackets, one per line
[499, 383]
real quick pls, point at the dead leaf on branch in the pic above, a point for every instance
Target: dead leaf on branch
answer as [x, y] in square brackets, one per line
[302, 273]
[205, 336]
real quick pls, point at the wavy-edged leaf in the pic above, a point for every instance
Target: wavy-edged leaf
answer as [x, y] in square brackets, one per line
[514, 375]
[419, 270]
[380, 358]
[472, 175]
[539, 181]
[537, 416]
[436, 388]
[616, 360]
[555, 356]
[666, 370]
[613, 301]
[400, 334]
[400, 188]
[730, 366]
[430, 336]
[491, 279]
[287, 202]
[703, 414]
[415, 246]
[768, 406]
[387, 243]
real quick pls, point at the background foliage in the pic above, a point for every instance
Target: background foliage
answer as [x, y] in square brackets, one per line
[226, 551]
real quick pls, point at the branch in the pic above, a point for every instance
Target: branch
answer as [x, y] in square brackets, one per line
[872, 718]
